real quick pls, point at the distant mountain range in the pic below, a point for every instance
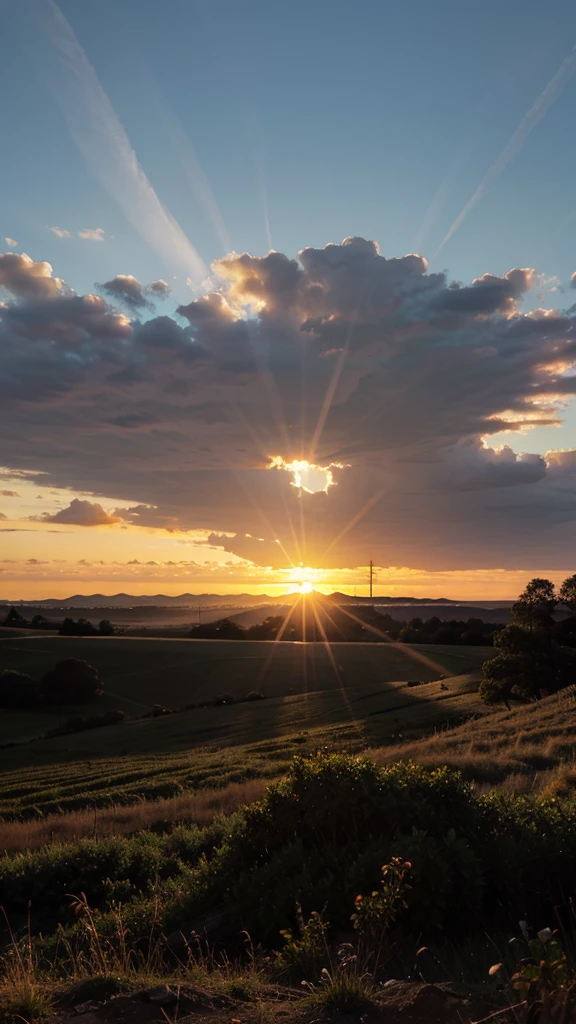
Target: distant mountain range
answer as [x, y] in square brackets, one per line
[232, 600]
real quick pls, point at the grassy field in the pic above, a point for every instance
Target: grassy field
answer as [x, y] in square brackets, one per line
[138, 673]
[349, 696]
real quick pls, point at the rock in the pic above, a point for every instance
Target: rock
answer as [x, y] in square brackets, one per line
[163, 995]
[88, 1007]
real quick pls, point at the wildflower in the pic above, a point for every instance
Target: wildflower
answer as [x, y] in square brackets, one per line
[358, 901]
[545, 934]
[494, 969]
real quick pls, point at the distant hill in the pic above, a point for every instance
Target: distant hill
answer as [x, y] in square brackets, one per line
[155, 600]
[236, 601]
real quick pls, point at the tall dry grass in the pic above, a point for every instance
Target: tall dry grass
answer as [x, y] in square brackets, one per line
[522, 750]
[198, 808]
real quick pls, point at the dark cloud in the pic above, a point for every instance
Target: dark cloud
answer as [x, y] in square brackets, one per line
[81, 513]
[128, 289]
[159, 288]
[342, 356]
[487, 294]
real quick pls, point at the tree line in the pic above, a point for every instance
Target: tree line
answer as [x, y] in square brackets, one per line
[68, 627]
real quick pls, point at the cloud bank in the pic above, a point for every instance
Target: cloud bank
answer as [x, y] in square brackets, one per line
[393, 376]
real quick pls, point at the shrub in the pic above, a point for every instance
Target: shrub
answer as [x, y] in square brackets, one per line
[18, 690]
[72, 681]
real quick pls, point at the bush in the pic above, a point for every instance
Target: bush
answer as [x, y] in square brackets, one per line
[18, 690]
[320, 836]
[72, 681]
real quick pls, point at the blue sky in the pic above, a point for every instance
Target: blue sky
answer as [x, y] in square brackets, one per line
[350, 117]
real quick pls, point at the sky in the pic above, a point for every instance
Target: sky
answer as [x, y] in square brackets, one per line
[241, 241]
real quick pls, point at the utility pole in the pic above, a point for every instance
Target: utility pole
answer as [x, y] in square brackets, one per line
[371, 575]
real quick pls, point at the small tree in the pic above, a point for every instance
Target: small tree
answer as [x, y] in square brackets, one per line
[72, 681]
[567, 593]
[106, 628]
[40, 622]
[503, 678]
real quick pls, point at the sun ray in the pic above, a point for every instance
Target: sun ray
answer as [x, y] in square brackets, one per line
[276, 641]
[339, 679]
[416, 655]
[356, 519]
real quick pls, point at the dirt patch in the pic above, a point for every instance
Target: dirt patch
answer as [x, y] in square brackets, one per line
[397, 1003]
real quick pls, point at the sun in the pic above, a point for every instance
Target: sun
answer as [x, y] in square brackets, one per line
[305, 587]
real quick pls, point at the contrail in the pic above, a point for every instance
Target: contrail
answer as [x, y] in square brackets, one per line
[106, 148]
[194, 173]
[513, 147]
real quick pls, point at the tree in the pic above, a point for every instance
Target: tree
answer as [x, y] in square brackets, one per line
[39, 622]
[535, 607]
[567, 593]
[81, 628]
[72, 681]
[267, 630]
[106, 628]
[15, 619]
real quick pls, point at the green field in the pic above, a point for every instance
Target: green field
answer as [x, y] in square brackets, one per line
[350, 697]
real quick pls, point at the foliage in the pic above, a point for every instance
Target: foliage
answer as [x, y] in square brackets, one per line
[72, 681]
[305, 950]
[535, 607]
[567, 593]
[374, 914]
[528, 663]
[18, 690]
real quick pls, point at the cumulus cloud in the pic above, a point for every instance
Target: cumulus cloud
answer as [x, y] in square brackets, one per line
[395, 377]
[127, 289]
[11, 242]
[82, 513]
[573, 280]
[60, 232]
[92, 234]
[25, 279]
[159, 288]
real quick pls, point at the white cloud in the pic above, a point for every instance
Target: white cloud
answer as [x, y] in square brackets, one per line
[11, 242]
[92, 234]
[60, 232]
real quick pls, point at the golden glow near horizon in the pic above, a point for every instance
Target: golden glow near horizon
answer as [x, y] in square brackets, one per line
[306, 587]
[307, 476]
